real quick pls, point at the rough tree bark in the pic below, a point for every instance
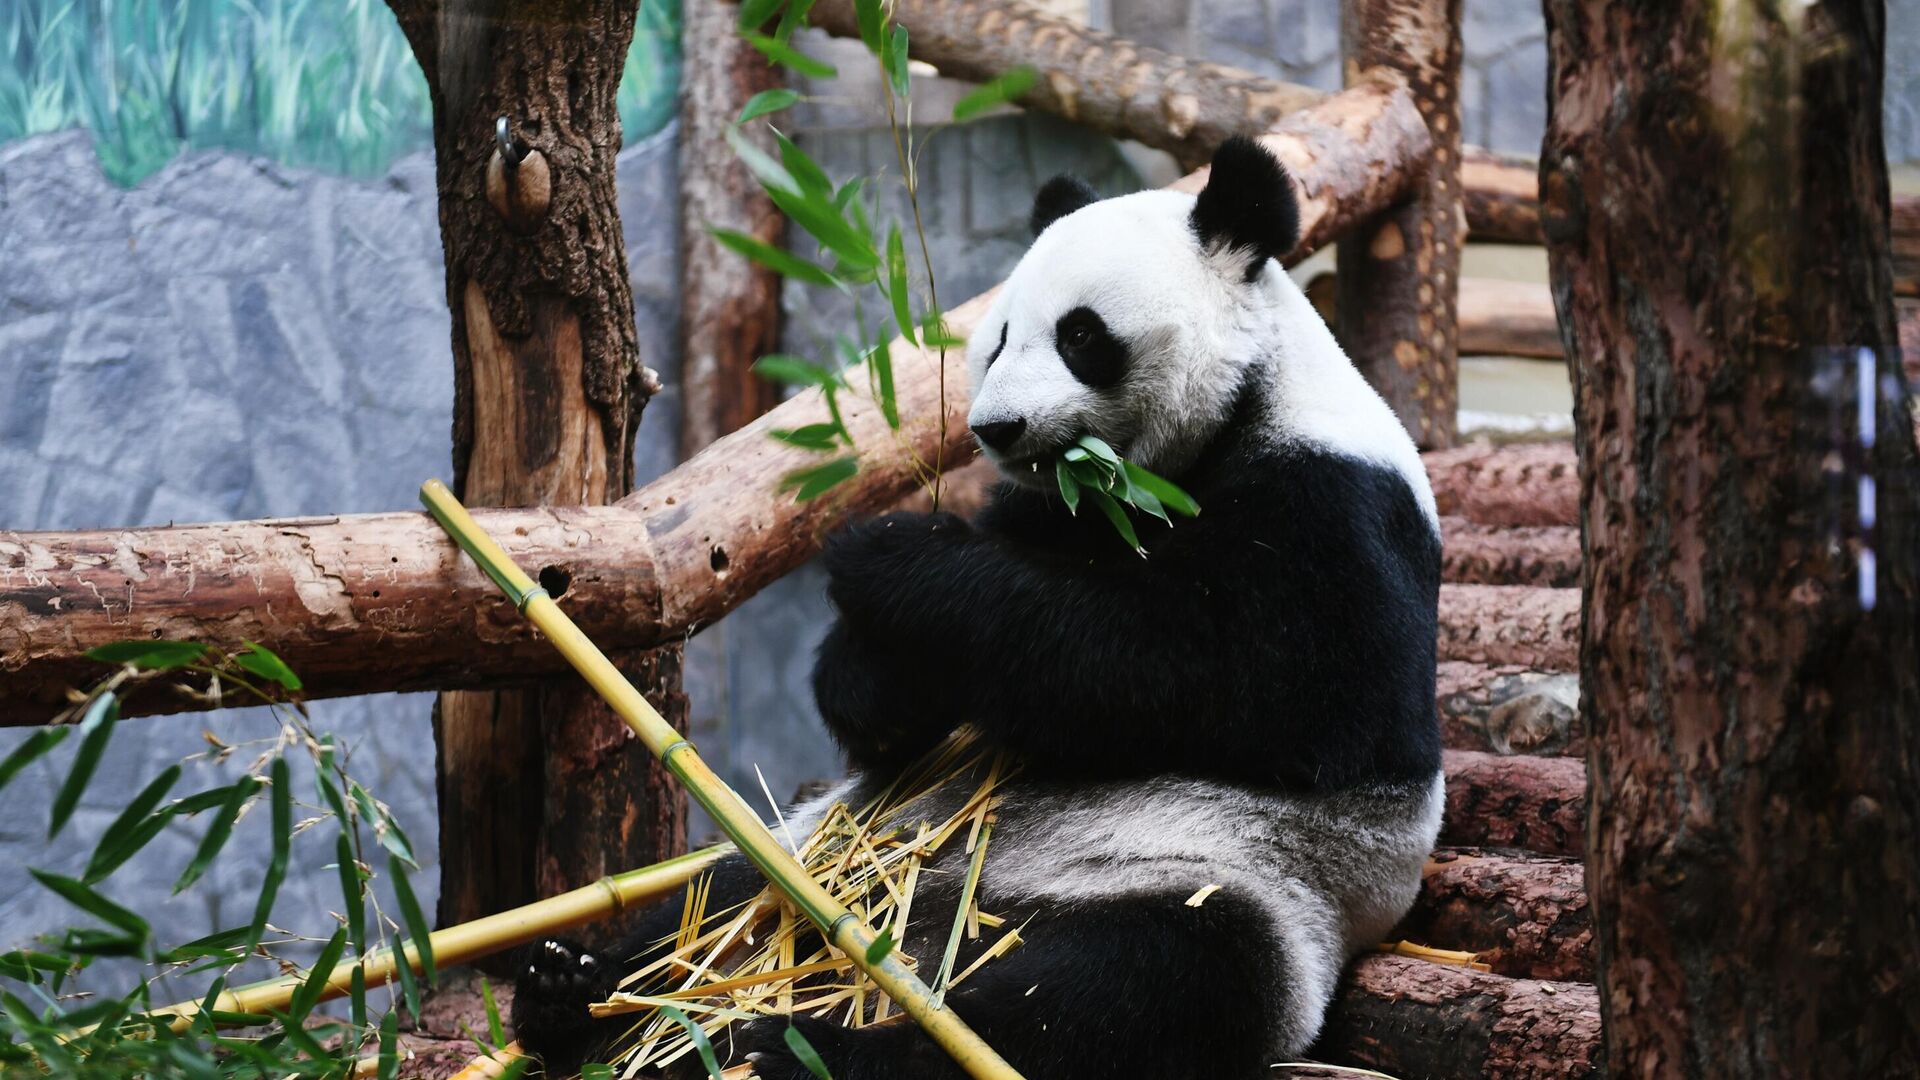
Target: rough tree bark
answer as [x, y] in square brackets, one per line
[729, 305]
[1716, 218]
[541, 788]
[1536, 803]
[1399, 277]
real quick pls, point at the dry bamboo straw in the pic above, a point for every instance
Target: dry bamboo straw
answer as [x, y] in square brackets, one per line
[841, 927]
[481, 937]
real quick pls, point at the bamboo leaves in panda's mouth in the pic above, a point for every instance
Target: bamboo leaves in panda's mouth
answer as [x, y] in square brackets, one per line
[1094, 471]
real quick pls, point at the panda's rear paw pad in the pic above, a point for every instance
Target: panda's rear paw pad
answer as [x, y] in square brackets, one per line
[561, 978]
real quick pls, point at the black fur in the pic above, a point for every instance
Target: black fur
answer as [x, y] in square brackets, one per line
[1091, 351]
[1248, 205]
[1057, 198]
[1296, 614]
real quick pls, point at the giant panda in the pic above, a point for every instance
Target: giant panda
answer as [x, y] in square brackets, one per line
[1249, 706]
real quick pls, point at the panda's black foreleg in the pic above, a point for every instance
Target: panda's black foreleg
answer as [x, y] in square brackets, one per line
[559, 977]
[1140, 986]
[876, 699]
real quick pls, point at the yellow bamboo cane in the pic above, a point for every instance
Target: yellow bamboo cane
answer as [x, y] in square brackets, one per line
[472, 940]
[842, 928]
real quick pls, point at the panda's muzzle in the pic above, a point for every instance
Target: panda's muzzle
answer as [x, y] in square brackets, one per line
[999, 435]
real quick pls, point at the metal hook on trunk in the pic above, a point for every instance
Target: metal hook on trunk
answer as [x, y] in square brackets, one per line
[519, 184]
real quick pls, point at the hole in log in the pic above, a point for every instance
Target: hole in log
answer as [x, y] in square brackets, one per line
[718, 560]
[556, 580]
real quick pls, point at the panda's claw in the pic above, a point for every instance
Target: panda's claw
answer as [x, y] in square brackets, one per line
[550, 1017]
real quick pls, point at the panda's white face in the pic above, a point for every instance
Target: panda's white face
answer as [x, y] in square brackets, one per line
[1116, 323]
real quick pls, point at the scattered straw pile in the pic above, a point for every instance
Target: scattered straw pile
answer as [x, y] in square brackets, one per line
[762, 958]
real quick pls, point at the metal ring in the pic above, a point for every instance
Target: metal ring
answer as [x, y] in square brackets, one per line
[509, 153]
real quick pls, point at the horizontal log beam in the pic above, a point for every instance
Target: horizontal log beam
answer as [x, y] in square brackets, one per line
[1505, 709]
[1521, 484]
[1411, 1018]
[1508, 318]
[1523, 913]
[367, 603]
[1535, 803]
[1511, 624]
[1476, 554]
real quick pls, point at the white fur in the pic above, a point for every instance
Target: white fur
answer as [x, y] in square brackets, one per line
[1194, 327]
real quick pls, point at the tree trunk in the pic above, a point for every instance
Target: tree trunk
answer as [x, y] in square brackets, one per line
[729, 305]
[1716, 218]
[541, 788]
[1399, 277]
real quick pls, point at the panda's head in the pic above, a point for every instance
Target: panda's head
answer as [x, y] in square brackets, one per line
[1135, 319]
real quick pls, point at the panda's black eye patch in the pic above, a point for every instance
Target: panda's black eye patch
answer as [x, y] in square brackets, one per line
[1000, 348]
[1090, 350]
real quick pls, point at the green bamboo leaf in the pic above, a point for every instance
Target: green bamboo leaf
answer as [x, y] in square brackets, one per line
[149, 655]
[872, 19]
[701, 1044]
[385, 828]
[31, 749]
[219, 828]
[308, 994]
[416, 921]
[357, 994]
[766, 102]
[804, 1050]
[1163, 489]
[1144, 500]
[1069, 487]
[787, 56]
[136, 825]
[280, 798]
[352, 894]
[804, 170]
[390, 1046]
[809, 484]
[881, 948]
[997, 91]
[847, 193]
[936, 334]
[815, 212]
[897, 284]
[880, 362]
[222, 944]
[755, 13]
[96, 728]
[817, 437]
[409, 984]
[781, 367]
[25, 964]
[330, 791]
[1098, 447]
[1119, 519]
[496, 1032]
[779, 260]
[793, 18]
[80, 895]
[261, 661]
[895, 61]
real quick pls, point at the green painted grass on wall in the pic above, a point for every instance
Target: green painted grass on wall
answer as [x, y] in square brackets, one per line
[326, 84]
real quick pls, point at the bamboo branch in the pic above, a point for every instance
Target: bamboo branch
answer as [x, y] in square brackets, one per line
[367, 603]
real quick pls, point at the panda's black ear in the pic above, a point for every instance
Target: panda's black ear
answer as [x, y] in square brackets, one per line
[1248, 205]
[1059, 197]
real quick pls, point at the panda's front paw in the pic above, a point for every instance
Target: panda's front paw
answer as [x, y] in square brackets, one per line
[876, 701]
[550, 1000]
[875, 566]
[764, 1043]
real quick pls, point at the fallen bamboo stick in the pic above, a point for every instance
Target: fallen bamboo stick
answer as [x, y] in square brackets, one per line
[842, 928]
[1534, 803]
[367, 603]
[473, 940]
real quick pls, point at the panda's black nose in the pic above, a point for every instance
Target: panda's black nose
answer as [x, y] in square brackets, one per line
[999, 434]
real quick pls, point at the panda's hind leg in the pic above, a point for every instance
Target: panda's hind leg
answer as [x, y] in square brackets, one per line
[1136, 986]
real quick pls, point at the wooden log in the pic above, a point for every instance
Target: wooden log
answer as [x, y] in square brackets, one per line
[1526, 484]
[1183, 106]
[1535, 803]
[1525, 914]
[1511, 624]
[1398, 280]
[1506, 709]
[366, 603]
[1415, 1019]
[729, 306]
[1508, 318]
[1503, 197]
[1472, 553]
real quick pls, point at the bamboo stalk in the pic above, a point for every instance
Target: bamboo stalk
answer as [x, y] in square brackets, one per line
[472, 940]
[841, 927]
